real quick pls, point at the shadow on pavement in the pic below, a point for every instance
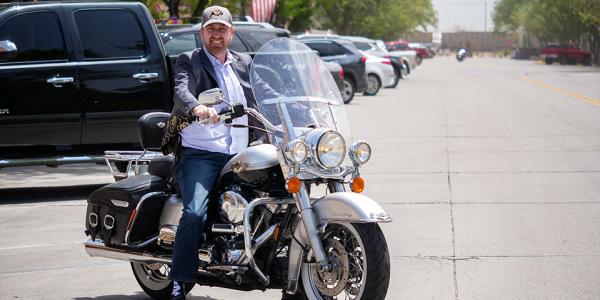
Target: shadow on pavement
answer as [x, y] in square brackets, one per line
[139, 295]
[45, 194]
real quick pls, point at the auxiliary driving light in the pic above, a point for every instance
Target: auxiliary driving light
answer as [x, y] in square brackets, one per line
[360, 152]
[296, 151]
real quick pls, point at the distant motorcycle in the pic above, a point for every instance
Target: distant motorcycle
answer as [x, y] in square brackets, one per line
[461, 54]
[265, 229]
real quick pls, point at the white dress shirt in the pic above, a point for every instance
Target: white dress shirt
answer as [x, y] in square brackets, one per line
[218, 137]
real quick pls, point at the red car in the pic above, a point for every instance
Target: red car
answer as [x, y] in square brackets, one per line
[422, 52]
[565, 54]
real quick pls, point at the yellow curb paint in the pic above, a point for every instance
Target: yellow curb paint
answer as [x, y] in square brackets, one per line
[564, 92]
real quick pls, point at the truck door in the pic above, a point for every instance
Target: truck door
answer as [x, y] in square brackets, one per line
[39, 102]
[122, 70]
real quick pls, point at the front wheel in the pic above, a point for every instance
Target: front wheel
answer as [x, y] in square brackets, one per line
[154, 280]
[360, 263]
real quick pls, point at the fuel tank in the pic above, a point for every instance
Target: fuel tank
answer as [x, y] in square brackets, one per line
[256, 165]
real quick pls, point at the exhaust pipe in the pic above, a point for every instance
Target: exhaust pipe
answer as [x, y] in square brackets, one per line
[98, 249]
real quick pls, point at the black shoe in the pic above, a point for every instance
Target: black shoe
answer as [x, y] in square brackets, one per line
[178, 291]
[178, 297]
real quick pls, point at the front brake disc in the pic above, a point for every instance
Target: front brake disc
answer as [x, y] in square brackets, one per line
[331, 283]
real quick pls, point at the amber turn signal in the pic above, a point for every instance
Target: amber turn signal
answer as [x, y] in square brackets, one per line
[357, 185]
[293, 184]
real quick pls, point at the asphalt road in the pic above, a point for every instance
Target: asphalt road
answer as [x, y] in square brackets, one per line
[489, 168]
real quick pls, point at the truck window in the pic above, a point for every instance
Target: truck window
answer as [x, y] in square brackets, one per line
[181, 43]
[363, 46]
[110, 34]
[256, 39]
[237, 45]
[37, 36]
[336, 49]
[322, 48]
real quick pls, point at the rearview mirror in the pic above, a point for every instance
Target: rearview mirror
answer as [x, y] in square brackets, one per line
[212, 97]
[8, 50]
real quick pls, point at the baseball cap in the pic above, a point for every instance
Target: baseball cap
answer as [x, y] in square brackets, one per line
[216, 14]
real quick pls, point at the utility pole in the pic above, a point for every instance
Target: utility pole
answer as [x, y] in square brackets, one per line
[485, 16]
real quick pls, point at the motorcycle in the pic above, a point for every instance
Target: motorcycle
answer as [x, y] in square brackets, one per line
[268, 227]
[461, 54]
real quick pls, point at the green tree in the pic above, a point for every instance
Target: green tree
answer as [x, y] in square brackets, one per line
[387, 19]
[552, 20]
[295, 15]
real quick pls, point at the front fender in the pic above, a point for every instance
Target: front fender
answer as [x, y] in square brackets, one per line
[337, 207]
[349, 207]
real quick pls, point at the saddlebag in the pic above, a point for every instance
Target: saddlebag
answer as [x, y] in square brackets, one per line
[126, 212]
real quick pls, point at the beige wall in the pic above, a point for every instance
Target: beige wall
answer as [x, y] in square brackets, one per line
[475, 41]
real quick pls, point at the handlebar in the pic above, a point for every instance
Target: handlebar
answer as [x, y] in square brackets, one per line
[227, 114]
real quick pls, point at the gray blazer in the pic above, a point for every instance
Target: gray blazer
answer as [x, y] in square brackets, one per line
[194, 74]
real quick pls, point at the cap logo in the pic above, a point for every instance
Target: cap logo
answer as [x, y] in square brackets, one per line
[215, 13]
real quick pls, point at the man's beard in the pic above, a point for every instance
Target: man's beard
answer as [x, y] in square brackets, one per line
[217, 45]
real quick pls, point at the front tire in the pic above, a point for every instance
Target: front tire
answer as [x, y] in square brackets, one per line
[154, 280]
[361, 262]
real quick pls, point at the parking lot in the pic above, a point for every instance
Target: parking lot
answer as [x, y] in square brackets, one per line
[489, 169]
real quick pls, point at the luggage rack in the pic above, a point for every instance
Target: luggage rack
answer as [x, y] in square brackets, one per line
[134, 160]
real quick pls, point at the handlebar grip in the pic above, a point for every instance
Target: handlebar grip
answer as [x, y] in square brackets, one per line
[223, 112]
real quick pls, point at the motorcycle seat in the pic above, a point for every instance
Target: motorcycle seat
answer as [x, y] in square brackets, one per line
[162, 166]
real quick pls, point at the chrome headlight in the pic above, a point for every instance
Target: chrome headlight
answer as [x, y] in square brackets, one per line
[360, 153]
[296, 151]
[331, 149]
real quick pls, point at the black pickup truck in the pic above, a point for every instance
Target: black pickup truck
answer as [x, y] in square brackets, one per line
[75, 78]
[80, 77]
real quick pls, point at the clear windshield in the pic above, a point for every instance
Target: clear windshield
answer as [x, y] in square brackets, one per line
[293, 88]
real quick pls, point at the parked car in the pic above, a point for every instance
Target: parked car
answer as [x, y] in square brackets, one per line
[73, 89]
[402, 48]
[346, 54]
[421, 49]
[399, 63]
[565, 54]
[248, 38]
[380, 73]
[80, 77]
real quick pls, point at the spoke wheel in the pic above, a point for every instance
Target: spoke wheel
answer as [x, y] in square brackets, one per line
[360, 264]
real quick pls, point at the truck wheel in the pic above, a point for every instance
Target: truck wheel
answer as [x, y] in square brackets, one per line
[373, 85]
[549, 60]
[562, 60]
[348, 92]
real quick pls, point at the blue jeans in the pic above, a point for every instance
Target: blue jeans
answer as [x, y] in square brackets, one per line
[197, 173]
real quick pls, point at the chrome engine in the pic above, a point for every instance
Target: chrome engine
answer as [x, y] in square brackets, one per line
[228, 248]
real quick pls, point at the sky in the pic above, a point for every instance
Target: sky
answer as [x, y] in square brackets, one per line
[465, 15]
